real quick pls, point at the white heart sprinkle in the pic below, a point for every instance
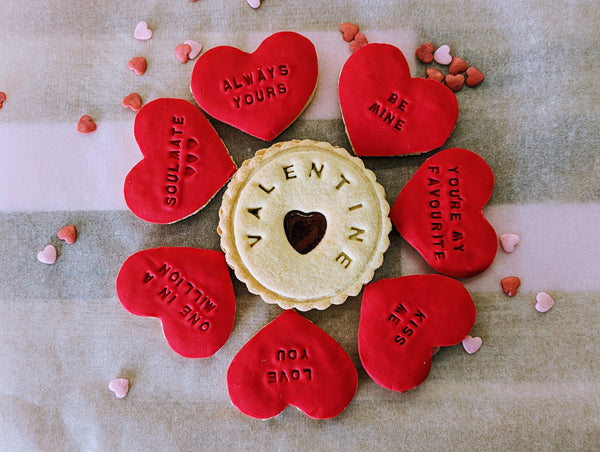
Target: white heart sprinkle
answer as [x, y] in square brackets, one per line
[544, 302]
[471, 344]
[47, 255]
[142, 32]
[120, 386]
[509, 241]
[196, 48]
[254, 3]
[442, 55]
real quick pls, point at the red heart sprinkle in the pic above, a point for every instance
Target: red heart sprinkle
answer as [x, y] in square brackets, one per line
[182, 52]
[435, 74]
[291, 361]
[68, 234]
[2, 99]
[439, 212]
[166, 186]
[457, 65]
[188, 289]
[360, 40]
[86, 125]
[402, 321]
[455, 82]
[137, 65]
[386, 112]
[348, 30]
[425, 53]
[474, 77]
[132, 101]
[510, 285]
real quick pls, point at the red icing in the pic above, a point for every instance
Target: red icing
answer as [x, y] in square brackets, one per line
[403, 319]
[386, 112]
[439, 212]
[185, 162]
[260, 93]
[291, 361]
[189, 289]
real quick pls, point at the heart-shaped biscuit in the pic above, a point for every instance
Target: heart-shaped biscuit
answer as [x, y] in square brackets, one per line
[386, 112]
[260, 93]
[188, 289]
[185, 162]
[439, 212]
[403, 319]
[291, 361]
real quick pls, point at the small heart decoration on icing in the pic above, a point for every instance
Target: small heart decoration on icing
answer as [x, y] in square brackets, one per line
[386, 112]
[403, 320]
[260, 93]
[304, 231]
[291, 361]
[185, 162]
[188, 289]
[439, 212]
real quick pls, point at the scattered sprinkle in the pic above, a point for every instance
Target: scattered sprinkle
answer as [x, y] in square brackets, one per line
[120, 386]
[349, 31]
[457, 65]
[544, 302]
[2, 99]
[510, 284]
[47, 255]
[425, 53]
[132, 101]
[509, 242]
[142, 32]
[68, 234]
[455, 82]
[360, 40]
[182, 52]
[471, 344]
[435, 351]
[86, 125]
[196, 48]
[137, 65]
[442, 55]
[253, 3]
[474, 77]
[435, 74]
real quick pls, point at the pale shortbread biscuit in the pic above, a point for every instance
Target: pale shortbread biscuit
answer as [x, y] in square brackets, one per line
[300, 189]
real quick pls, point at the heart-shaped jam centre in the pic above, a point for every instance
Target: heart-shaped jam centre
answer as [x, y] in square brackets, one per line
[304, 231]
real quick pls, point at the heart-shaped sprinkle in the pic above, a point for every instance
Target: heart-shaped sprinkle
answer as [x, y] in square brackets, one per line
[253, 3]
[142, 32]
[474, 77]
[425, 52]
[86, 125]
[291, 361]
[457, 65]
[2, 99]
[132, 101]
[68, 234]
[304, 231]
[543, 302]
[137, 65]
[435, 74]
[195, 47]
[47, 255]
[472, 344]
[349, 31]
[120, 386]
[442, 55]
[455, 82]
[510, 284]
[360, 40]
[403, 319]
[182, 52]
[509, 242]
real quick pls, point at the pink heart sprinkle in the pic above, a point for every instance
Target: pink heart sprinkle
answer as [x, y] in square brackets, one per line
[471, 344]
[142, 32]
[68, 234]
[196, 48]
[544, 302]
[182, 53]
[47, 255]
[253, 3]
[120, 386]
[442, 55]
[509, 242]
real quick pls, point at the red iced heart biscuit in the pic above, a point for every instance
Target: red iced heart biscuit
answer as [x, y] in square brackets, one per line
[188, 289]
[260, 93]
[291, 361]
[185, 162]
[386, 112]
[403, 319]
[439, 212]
